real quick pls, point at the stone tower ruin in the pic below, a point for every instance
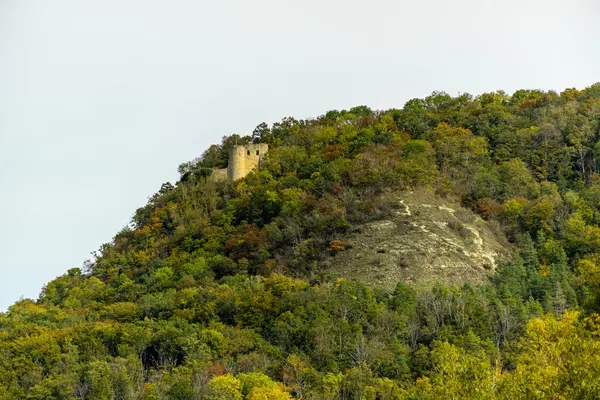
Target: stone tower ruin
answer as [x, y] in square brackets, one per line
[242, 160]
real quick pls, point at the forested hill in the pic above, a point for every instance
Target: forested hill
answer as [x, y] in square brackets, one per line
[224, 290]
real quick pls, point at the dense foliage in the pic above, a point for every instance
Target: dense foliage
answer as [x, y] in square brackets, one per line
[221, 290]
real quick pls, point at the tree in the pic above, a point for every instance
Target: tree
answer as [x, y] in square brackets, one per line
[261, 134]
[558, 359]
[459, 153]
[265, 393]
[225, 387]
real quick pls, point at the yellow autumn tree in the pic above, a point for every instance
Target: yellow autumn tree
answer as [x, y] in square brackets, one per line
[225, 387]
[458, 375]
[559, 359]
[268, 393]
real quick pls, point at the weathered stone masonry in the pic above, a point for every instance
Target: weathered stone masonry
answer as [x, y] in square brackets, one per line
[242, 160]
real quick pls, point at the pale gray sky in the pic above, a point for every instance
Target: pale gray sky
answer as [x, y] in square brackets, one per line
[101, 100]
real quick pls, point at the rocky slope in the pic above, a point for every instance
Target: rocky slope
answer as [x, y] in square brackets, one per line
[426, 240]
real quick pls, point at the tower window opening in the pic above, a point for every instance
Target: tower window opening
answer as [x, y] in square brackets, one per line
[257, 152]
[248, 152]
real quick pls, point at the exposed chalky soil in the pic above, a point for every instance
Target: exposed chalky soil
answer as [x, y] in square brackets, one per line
[426, 240]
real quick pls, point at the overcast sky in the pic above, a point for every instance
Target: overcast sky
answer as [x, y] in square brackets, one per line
[101, 100]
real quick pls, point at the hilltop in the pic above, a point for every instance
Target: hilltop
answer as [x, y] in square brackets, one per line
[446, 249]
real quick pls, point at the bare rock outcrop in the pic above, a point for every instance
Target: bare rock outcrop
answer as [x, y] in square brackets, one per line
[426, 240]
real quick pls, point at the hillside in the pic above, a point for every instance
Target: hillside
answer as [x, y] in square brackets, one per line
[448, 249]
